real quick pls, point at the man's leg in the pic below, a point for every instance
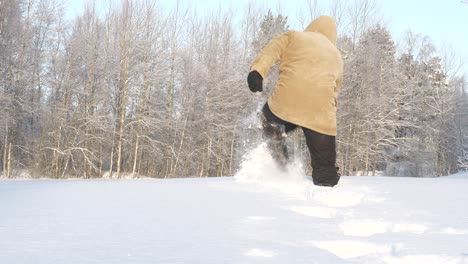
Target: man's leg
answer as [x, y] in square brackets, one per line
[274, 131]
[323, 158]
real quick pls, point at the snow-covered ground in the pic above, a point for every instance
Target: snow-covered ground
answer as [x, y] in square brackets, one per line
[260, 216]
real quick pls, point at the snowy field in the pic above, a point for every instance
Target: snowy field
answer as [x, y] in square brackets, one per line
[260, 216]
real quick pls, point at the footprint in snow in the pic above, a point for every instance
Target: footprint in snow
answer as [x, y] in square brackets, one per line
[259, 218]
[369, 227]
[347, 249]
[255, 252]
[422, 259]
[453, 231]
[363, 228]
[336, 198]
[315, 211]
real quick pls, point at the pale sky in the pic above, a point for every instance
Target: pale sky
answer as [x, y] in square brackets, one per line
[444, 21]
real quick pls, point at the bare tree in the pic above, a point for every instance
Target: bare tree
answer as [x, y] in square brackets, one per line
[10, 25]
[136, 90]
[125, 38]
[362, 14]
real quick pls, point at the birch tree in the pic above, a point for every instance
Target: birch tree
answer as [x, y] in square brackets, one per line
[129, 89]
[10, 25]
[368, 110]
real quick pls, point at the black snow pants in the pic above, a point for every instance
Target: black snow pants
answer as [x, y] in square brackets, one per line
[321, 148]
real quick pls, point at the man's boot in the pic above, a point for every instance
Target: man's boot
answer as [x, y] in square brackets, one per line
[278, 147]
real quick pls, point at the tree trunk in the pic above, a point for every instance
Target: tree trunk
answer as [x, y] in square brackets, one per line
[365, 168]
[5, 151]
[5, 157]
[124, 74]
[85, 165]
[136, 156]
[202, 164]
[231, 157]
[121, 128]
[374, 164]
[180, 146]
[111, 167]
[9, 161]
[100, 161]
[57, 156]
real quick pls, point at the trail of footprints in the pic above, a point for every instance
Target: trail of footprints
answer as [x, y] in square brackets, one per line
[339, 204]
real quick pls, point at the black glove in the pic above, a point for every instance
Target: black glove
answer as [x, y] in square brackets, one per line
[255, 81]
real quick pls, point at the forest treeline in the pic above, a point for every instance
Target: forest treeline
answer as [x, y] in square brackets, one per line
[130, 89]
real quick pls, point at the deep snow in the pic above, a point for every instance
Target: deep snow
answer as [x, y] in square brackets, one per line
[260, 216]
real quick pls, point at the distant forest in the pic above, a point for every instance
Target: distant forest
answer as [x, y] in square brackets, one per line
[134, 90]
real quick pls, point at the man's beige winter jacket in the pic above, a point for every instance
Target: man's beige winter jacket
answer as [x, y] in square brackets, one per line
[311, 72]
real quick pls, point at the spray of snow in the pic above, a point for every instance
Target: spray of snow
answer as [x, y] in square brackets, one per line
[259, 167]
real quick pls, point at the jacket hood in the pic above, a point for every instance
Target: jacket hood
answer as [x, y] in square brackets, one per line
[324, 25]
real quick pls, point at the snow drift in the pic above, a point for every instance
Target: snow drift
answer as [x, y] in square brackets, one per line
[261, 215]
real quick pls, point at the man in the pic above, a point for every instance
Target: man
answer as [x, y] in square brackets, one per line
[311, 72]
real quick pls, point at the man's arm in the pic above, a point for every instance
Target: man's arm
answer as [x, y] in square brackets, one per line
[270, 54]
